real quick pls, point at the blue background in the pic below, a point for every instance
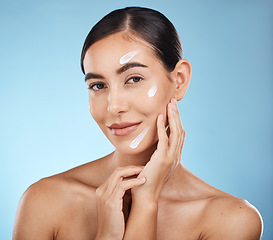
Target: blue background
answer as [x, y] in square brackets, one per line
[45, 125]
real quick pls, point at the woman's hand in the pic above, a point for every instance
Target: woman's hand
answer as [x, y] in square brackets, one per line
[110, 201]
[166, 157]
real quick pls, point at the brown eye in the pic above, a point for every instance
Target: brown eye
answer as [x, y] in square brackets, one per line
[97, 86]
[134, 80]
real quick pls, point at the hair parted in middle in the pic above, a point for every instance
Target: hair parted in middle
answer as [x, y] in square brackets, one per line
[148, 24]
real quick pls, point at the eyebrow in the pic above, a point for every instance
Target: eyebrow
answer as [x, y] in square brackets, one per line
[92, 76]
[124, 68]
[130, 65]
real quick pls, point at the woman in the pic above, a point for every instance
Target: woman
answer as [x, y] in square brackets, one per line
[133, 66]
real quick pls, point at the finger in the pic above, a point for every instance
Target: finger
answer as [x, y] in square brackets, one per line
[180, 128]
[120, 173]
[182, 138]
[174, 130]
[182, 141]
[125, 185]
[177, 116]
[162, 135]
[181, 135]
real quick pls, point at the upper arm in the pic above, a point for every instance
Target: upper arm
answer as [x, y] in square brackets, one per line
[34, 219]
[238, 220]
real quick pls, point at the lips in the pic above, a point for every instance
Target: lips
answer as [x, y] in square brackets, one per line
[124, 128]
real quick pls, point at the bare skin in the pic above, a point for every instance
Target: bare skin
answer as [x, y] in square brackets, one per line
[142, 193]
[64, 207]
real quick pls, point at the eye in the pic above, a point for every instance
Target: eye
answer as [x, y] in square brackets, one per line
[97, 86]
[133, 80]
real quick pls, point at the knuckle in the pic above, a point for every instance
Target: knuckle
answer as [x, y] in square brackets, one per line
[168, 162]
[121, 185]
[117, 172]
[99, 193]
[177, 134]
[118, 169]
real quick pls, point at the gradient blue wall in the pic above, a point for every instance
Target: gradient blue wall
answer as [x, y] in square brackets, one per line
[45, 126]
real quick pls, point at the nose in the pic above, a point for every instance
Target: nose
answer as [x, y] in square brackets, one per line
[117, 103]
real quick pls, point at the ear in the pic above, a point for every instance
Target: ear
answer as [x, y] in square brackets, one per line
[182, 77]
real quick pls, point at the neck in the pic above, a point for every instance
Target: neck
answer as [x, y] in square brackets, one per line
[173, 184]
[182, 184]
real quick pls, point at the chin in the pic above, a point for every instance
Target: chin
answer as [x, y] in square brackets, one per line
[148, 144]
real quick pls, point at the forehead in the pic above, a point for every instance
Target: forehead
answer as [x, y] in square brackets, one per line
[112, 48]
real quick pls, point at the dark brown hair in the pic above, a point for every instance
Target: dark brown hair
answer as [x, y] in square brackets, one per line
[150, 25]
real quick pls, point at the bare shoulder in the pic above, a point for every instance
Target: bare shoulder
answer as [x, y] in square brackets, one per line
[229, 217]
[35, 211]
[50, 202]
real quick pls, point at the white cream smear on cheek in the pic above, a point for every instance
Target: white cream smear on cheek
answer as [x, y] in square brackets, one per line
[152, 90]
[127, 57]
[139, 138]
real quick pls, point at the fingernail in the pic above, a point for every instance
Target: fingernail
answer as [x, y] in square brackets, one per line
[173, 105]
[161, 117]
[142, 180]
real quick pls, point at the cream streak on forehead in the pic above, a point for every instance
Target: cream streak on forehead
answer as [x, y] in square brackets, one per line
[127, 57]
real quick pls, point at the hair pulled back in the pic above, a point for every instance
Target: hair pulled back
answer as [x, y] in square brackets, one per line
[150, 25]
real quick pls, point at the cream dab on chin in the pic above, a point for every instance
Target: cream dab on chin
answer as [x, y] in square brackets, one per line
[152, 90]
[139, 138]
[127, 57]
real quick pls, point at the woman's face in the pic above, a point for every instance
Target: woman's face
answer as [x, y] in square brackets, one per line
[128, 89]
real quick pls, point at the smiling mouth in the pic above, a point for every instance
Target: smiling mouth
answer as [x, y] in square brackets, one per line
[123, 129]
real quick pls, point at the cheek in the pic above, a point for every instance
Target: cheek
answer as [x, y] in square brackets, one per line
[155, 100]
[96, 108]
[152, 91]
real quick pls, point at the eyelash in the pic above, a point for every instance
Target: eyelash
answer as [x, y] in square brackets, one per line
[92, 86]
[139, 79]
[95, 85]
